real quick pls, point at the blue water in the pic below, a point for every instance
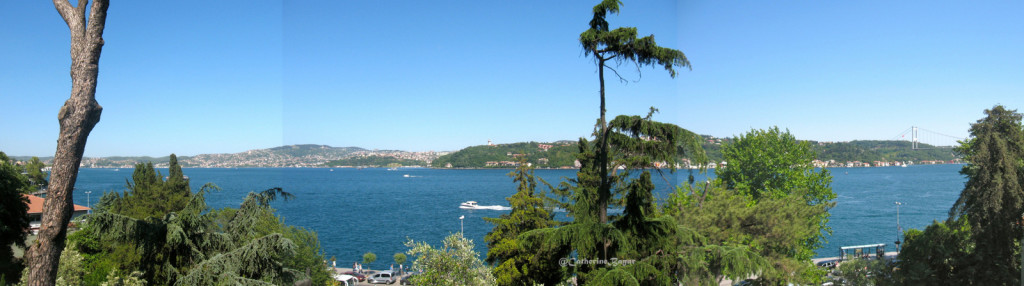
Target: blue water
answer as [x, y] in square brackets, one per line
[376, 210]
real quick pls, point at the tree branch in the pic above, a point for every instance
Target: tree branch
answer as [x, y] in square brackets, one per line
[97, 20]
[622, 79]
[65, 10]
[80, 8]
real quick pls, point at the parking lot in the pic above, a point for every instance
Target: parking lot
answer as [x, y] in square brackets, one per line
[368, 273]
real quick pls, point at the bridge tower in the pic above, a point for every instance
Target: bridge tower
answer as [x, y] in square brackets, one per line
[913, 133]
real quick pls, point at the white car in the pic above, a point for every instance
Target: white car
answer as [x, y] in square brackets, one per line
[346, 280]
[385, 276]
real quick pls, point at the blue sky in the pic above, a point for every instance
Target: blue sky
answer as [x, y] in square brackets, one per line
[229, 76]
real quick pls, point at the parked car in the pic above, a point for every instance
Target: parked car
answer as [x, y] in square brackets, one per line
[359, 276]
[385, 276]
[346, 280]
[829, 264]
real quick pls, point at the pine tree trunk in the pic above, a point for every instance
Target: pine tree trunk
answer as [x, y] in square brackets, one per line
[602, 153]
[77, 117]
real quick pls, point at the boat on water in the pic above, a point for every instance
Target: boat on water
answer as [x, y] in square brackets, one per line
[472, 205]
[406, 175]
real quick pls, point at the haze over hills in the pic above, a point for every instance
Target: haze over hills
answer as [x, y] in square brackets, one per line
[558, 154]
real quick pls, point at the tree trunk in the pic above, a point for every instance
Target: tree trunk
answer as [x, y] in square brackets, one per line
[77, 117]
[602, 153]
[604, 190]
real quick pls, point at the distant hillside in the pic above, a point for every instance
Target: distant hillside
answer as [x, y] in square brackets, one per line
[375, 161]
[877, 150]
[552, 155]
[858, 150]
[305, 155]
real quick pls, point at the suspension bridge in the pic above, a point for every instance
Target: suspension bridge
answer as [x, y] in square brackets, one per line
[921, 138]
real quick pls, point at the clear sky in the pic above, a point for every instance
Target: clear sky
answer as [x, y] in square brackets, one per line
[193, 77]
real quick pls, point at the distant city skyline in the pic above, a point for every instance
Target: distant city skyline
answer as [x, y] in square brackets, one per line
[224, 77]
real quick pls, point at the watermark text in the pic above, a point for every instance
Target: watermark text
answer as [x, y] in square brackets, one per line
[573, 262]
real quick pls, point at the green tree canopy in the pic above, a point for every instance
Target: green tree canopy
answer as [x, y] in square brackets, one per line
[36, 176]
[149, 195]
[993, 197]
[772, 163]
[13, 217]
[939, 255]
[192, 244]
[454, 263]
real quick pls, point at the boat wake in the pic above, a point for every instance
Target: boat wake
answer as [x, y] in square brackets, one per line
[471, 205]
[494, 207]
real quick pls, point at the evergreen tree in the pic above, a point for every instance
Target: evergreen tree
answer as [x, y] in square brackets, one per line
[148, 195]
[13, 217]
[993, 197]
[620, 46]
[181, 249]
[514, 263]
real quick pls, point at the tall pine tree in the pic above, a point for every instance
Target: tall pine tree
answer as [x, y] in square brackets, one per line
[993, 197]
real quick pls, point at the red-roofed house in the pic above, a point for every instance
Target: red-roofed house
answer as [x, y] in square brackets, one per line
[35, 212]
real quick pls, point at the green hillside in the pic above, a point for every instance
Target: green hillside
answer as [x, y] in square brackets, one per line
[858, 150]
[560, 154]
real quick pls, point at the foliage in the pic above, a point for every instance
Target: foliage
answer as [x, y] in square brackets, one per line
[741, 238]
[561, 154]
[400, 258]
[771, 163]
[132, 279]
[455, 263]
[941, 254]
[369, 257]
[641, 235]
[868, 272]
[514, 263]
[148, 194]
[768, 198]
[993, 197]
[36, 176]
[13, 217]
[857, 150]
[194, 245]
[70, 270]
[375, 161]
[622, 44]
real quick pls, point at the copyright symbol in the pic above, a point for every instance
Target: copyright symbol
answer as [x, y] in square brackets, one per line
[563, 262]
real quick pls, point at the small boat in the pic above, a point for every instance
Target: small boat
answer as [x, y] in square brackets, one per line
[471, 205]
[406, 175]
[468, 205]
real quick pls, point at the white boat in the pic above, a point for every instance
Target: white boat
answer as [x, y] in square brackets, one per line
[406, 175]
[471, 205]
[468, 205]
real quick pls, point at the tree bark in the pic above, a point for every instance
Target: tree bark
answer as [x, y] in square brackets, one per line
[77, 117]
